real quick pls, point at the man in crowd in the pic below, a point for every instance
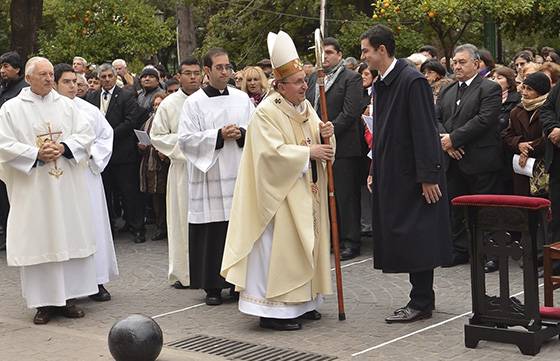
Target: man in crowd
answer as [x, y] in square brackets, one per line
[344, 92]
[149, 79]
[121, 174]
[44, 145]
[129, 81]
[164, 139]
[12, 81]
[65, 83]
[82, 85]
[410, 211]
[278, 241]
[79, 65]
[171, 86]
[468, 113]
[266, 66]
[211, 135]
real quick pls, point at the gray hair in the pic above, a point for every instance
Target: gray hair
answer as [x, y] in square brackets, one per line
[31, 63]
[81, 77]
[351, 60]
[104, 67]
[80, 59]
[119, 62]
[469, 48]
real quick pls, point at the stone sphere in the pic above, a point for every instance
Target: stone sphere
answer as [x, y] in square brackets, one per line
[135, 338]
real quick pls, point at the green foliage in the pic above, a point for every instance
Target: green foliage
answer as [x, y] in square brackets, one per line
[4, 26]
[102, 30]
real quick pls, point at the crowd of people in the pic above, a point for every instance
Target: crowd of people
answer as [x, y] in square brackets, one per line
[229, 166]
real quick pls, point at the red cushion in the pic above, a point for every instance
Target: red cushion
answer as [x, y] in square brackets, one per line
[550, 312]
[498, 200]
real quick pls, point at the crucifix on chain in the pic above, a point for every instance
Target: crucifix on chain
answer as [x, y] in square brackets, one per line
[53, 137]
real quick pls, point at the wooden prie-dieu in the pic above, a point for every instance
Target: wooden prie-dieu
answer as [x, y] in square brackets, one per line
[504, 227]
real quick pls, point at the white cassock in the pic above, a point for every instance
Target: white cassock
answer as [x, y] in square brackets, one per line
[164, 138]
[50, 233]
[100, 154]
[212, 172]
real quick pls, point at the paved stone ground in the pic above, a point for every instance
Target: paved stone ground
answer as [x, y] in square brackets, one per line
[142, 288]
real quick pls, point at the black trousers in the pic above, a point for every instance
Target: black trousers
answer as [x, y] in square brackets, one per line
[347, 185]
[125, 179]
[459, 184]
[4, 206]
[422, 296]
[554, 195]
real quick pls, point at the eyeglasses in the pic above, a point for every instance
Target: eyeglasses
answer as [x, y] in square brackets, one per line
[223, 67]
[191, 73]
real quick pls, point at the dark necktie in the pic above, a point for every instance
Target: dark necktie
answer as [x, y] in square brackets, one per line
[105, 95]
[461, 91]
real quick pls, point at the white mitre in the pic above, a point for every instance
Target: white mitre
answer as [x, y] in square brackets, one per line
[283, 55]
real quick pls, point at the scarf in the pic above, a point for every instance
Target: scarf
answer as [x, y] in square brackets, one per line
[330, 78]
[532, 104]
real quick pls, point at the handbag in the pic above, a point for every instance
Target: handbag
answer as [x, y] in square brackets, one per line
[538, 184]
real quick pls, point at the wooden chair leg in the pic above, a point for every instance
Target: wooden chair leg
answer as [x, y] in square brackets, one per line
[548, 288]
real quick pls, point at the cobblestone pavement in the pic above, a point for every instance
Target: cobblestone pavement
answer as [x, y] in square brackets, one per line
[369, 296]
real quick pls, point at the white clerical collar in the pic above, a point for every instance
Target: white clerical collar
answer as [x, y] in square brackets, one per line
[468, 82]
[389, 69]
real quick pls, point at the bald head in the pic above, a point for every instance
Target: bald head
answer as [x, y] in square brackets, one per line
[39, 74]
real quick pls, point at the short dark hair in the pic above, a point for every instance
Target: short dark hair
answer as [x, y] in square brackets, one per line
[92, 75]
[170, 82]
[207, 60]
[379, 35]
[429, 49]
[330, 41]
[524, 54]
[60, 69]
[554, 57]
[189, 60]
[487, 58]
[12, 58]
[435, 65]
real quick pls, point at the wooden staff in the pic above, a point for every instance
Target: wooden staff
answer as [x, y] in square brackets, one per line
[332, 200]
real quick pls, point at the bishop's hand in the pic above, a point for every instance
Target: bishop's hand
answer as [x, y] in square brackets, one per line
[321, 152]
[326, 129]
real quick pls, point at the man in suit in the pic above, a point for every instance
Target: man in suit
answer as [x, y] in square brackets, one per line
[121, 174]
[344, 107]
[468, 113]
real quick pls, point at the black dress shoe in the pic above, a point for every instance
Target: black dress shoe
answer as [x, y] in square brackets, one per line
[43, 316]
[311, 315]
[408, 314]
[139, 237]
[178, 285]
[213, 297]
[71, 311]
[102, 296]
[458, 259]
[349, 253]
[233, 294]
[278, 324]
[159, 235]
[491, 266]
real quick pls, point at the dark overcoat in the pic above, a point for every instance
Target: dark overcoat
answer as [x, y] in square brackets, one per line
[410, 235]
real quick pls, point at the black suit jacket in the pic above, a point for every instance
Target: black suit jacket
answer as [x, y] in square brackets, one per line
[473, 124]
[124, 114]
[344, 107]
[550, 119]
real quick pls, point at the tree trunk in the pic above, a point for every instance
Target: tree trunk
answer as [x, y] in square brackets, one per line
[26, 16]
[186, 35]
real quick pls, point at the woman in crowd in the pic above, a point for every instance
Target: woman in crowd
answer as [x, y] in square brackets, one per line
[487, 63]
[238, 78]
[153, 174]
[524, 135]
[552, 70]
[254, 83]
[553, 57]
[417, 59]
[521, 59]
[436, 75]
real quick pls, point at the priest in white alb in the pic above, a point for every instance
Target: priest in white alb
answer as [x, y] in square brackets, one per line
[277, 251]
[44, 148]
[65, 82]
[164, 138]
[211, 136]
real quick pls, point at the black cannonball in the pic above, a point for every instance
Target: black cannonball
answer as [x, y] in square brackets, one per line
[135, 338]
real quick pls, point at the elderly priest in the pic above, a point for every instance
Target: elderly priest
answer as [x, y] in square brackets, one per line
[44, 146]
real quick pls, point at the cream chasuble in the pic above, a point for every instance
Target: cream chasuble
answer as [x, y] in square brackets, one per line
[164, 139]
[212, 172]
[279, 224]
[101, 150]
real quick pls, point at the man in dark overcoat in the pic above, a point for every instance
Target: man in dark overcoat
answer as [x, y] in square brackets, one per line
[410, 209]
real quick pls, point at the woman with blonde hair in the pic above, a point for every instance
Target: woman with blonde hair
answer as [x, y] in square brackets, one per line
[254, 83]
